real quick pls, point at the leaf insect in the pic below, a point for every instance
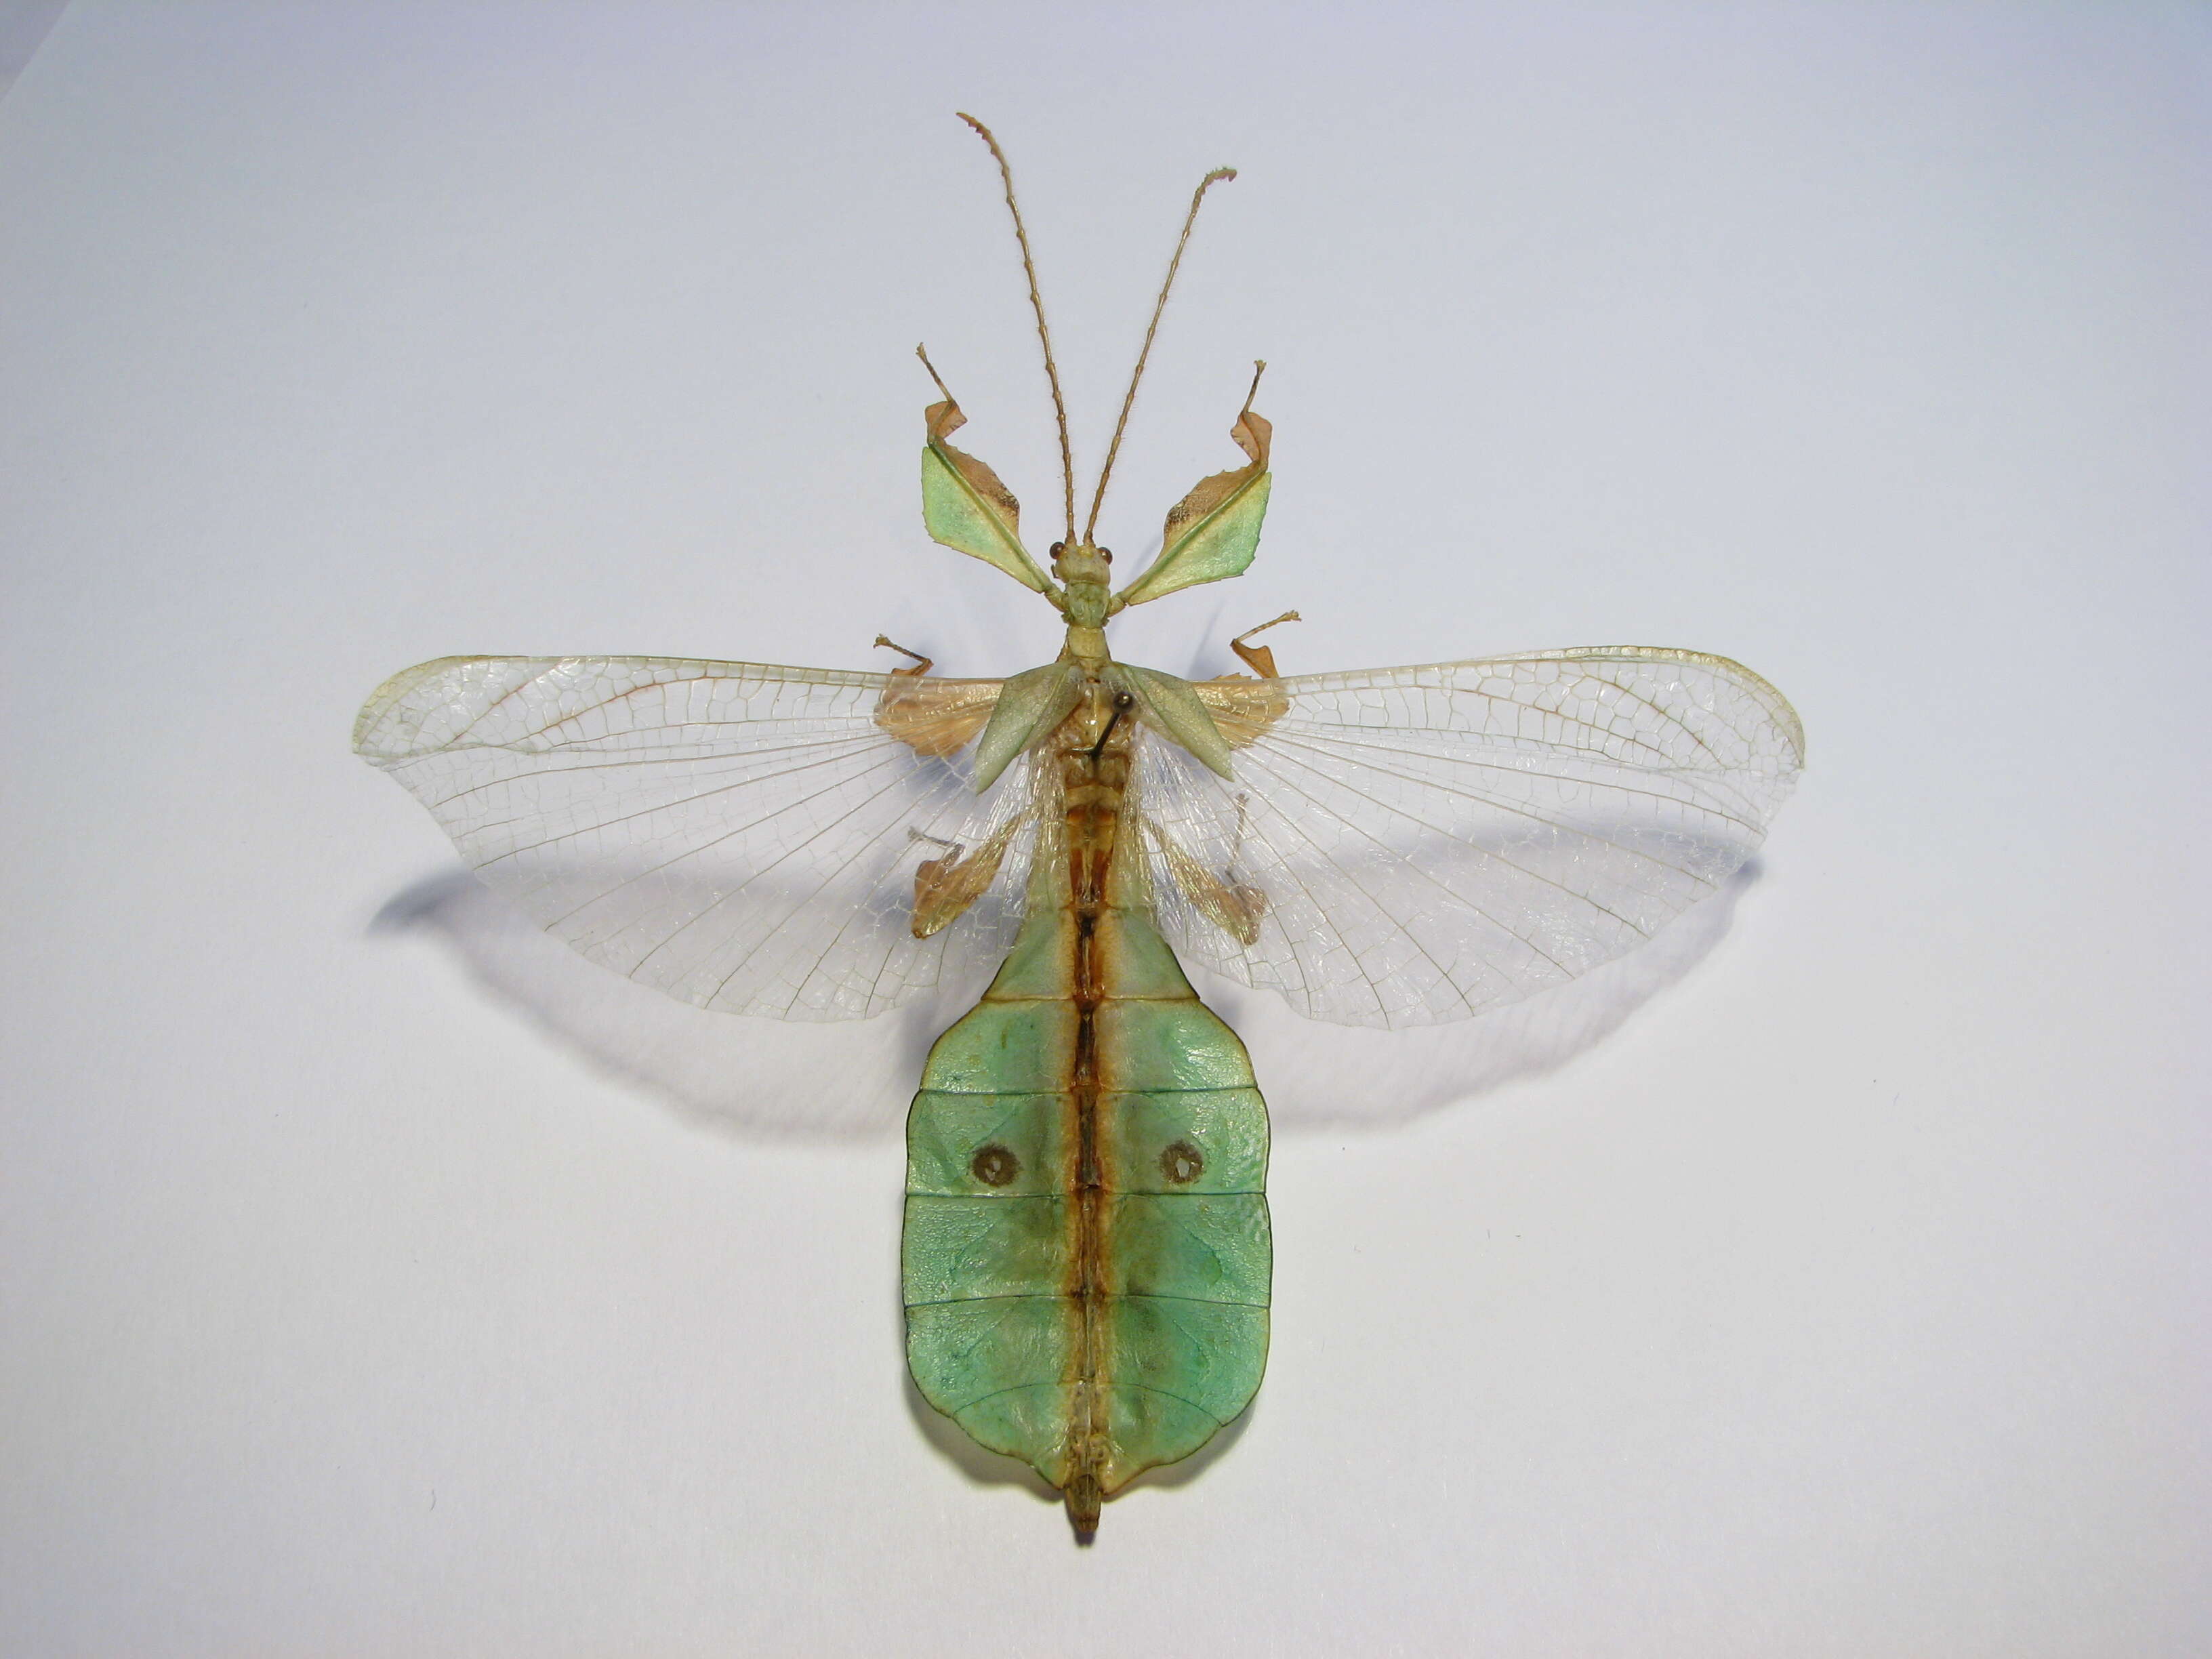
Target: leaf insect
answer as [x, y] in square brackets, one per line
[1086, 1255]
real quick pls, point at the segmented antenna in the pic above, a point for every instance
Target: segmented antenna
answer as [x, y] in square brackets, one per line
[1218, 176]
[1036, 304]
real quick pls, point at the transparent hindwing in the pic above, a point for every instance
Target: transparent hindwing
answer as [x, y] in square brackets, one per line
[1398, 847]
[1405, 846]
[743, 837]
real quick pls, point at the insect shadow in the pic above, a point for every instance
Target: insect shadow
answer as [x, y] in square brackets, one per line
[780, 1079]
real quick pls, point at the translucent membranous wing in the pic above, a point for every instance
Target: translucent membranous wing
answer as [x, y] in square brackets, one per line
[742, 837]
[1407, 846]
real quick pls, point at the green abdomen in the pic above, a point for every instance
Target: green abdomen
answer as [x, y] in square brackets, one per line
[1086, 1254]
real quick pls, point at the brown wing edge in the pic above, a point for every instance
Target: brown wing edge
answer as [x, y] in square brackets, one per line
[938, 717]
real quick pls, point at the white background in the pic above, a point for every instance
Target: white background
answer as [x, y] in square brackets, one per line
[1848, 1299]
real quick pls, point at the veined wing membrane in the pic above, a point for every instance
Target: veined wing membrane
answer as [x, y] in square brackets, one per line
[1428, 843]
[743, 837]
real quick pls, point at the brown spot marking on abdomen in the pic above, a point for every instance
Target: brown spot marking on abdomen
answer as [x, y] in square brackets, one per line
[1181, 1163]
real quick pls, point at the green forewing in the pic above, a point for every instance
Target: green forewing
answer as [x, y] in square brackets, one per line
[1172, 707]
[1029, 705]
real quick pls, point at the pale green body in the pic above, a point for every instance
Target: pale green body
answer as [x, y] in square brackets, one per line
[1086, 1256]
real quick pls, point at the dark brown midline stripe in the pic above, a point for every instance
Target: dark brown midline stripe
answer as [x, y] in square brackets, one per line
[1089, 824]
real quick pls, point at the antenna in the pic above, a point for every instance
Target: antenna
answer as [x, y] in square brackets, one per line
[1218, 176]
[1036, 304]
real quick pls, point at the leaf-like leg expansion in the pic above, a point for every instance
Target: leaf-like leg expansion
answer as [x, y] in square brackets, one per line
[1259, 658]
[1237, 908]
[944, 888]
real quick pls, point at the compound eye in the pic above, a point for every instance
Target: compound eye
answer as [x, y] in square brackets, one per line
[1058, 548]
[1104, 555]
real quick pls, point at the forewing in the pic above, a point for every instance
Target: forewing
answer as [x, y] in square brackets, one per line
[740, 836]
[1428, 843]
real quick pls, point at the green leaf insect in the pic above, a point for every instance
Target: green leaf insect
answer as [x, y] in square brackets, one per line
[1086, 1257]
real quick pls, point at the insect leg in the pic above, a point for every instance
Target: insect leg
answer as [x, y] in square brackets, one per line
[1259, 658]
[923, 665]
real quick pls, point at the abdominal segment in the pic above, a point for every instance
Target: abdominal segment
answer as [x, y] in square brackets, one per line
[1086, 1253]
